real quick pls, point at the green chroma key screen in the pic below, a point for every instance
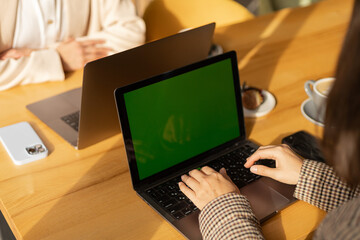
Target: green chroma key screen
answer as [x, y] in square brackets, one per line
[181, 117]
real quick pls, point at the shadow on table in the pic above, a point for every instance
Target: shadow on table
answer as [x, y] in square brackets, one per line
[93, 207]
[260, 50]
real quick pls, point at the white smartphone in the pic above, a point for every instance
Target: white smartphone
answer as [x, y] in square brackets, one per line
[22, 143]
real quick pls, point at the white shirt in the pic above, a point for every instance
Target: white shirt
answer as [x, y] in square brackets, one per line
[39, 23]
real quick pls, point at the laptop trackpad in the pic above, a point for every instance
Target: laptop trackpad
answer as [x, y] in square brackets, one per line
[264, 200]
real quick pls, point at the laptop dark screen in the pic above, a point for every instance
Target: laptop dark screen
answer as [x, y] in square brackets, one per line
[182, 116]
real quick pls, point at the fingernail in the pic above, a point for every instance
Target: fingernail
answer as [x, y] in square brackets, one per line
[253, 169]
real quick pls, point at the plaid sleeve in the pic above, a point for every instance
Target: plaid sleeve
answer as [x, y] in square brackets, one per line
[320, 186]
[229, 217]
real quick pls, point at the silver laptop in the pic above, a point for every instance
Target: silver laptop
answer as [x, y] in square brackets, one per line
[186, 119]
[87, 115]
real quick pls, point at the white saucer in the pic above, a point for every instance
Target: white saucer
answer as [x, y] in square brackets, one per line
[268, 105]
[309, 112]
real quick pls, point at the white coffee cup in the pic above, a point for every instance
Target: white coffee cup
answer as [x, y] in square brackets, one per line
[318, 92]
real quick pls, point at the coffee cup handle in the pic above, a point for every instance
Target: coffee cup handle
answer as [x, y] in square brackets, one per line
[307, 88]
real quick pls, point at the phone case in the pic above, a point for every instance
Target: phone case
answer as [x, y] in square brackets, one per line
[304, 144]
[22, 143]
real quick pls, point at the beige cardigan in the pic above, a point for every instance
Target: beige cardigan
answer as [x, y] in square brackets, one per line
[112, 20]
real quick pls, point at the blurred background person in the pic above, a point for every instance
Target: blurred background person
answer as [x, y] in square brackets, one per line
[42, 39]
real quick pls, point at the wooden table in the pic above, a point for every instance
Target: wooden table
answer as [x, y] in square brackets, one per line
[87, 194]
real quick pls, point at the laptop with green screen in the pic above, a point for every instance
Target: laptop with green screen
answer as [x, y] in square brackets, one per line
[185, 119]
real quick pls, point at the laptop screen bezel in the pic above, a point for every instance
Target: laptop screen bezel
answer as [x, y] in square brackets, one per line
[125, 127]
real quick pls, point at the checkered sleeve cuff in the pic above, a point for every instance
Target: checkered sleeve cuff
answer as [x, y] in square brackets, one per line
[229, 217]
[320, 186]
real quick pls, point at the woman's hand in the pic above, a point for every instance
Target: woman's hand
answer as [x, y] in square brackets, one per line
[203, 186]
[288, 164]
[15, 53]
[75, 54]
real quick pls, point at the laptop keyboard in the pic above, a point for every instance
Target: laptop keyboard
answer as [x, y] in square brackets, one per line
[169, 196]
[72, 120]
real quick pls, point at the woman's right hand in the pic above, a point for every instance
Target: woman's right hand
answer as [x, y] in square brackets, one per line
[75, 54]
[288, 164]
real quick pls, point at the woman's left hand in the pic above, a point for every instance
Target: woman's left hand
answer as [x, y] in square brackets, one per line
[203, 186]
[15, 53]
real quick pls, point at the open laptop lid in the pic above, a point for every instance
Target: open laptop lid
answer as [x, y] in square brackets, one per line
[178, 118]
[98, 117]
[95, 101]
